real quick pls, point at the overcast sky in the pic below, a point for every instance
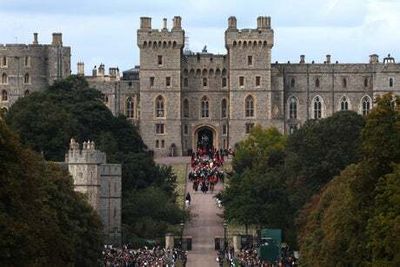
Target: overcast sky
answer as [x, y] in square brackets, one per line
[105, 31]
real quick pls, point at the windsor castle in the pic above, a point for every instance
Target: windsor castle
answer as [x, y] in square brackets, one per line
[176, 96]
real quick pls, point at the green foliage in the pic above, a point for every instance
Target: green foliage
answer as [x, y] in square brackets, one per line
[47, 120]
[42, 220]
[355, 220]
[256, 191]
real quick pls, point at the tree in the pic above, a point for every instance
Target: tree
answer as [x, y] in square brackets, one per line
[47, 120]
[43, 221]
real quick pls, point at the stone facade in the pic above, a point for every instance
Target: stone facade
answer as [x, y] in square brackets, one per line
[175, 95]
[100, 182]
[28, 68]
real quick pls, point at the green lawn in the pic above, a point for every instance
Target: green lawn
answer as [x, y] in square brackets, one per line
[180, 171]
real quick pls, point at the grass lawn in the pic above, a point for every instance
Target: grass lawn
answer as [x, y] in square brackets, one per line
[180, 171]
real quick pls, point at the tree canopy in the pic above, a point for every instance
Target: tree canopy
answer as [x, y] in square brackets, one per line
[47, 120]
[43, 221]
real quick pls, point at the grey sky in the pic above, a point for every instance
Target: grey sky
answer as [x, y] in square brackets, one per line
[105, 31]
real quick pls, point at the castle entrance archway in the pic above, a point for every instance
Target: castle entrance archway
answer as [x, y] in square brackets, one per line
[205, 137]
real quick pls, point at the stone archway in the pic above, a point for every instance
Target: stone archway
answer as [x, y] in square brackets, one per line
[205, 136]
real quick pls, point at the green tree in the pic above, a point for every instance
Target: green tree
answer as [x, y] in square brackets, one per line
[43, 221]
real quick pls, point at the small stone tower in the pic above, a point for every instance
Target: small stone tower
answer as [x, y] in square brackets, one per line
[160, 85]
[249, 66]
[100, 182]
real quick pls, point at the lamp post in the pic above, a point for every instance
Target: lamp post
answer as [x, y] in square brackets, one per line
[182, 227]
[225, 226]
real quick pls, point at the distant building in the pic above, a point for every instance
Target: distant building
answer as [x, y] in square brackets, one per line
[28, 68]
[100, 182]
[177, 97]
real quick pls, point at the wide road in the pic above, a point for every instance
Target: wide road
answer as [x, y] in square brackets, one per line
[203, 227]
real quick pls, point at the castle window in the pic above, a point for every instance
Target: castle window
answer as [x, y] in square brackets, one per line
[26, 93]
[151, 81]
[258, 81]
[317, 83]
[390, 82]
[292, 82]
[160, 61]
[186, 108]
[344, 104]
[344, 83]
[293, 108]
[160, 128]
[185, 129]
[185, 82]
[224, 82]
[4, 78]
[366, 82]
[157, 144]
[249, 106]
[105, 99]
[249, 126]
[27, 61]
[204, 82]
[366, 105]
[27, 78]
[204, 107]
[223, 108]
[115, 212]
[130, 107]
[249, 60]
[317, 105]
[162, 143]
[241, 81]
[4, 61]
[4, 95]
[160, 107]
[224, 129]
[168, 81]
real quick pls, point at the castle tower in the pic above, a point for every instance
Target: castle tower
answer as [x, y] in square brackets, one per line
[84, 166]
[160, 85]
[59, 59]
[252, 98]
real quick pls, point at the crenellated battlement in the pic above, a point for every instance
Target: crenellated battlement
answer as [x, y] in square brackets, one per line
[87, 155]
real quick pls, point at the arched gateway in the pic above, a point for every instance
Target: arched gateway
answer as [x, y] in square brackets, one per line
[204, 136]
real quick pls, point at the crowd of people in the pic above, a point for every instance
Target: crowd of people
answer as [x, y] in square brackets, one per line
[206, 169]
[155, 257]
[250, 258]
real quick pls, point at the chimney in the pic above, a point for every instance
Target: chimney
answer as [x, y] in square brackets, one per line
[263, 23]
[35, 38]
[177, 21]
[232, 23]
[302, 59]
[94, 71]
[328, 59]
[57, 39]
[145, 23]
[165, 24]
[81, 68]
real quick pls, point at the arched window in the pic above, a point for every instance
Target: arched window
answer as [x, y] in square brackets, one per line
[4, 95]
[249, 106]
[224, 82]
[204, 82]
[344, 104]
[293, 108]
[317, 105]
[130, 108]
[223, 108]
[186, 108]
[4, 78]
[160, 107]
[344, 82]
[292, 82]
[365, 105]
[4, 61]
[204, 107]
[26, 93]
[26, 78]
[317, 83]
[390, 82]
